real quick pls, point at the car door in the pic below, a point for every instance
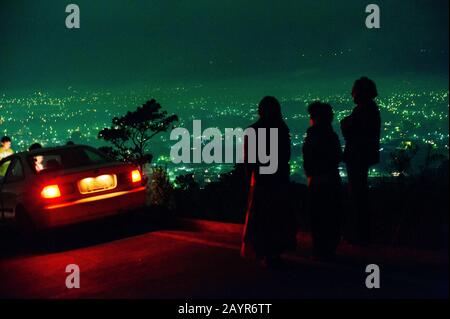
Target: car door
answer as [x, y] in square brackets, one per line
[11, 186]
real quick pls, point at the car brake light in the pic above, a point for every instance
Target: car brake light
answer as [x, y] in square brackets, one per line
[50, 191]
[136, 176]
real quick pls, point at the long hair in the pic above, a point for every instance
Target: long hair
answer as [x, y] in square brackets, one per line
[269, 110]
[364, 89]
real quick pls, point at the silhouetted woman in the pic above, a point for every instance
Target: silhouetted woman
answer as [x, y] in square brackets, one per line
[361, 130]
[270, 225]
[321, 156]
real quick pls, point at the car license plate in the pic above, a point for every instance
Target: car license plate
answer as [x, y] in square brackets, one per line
[97, 184]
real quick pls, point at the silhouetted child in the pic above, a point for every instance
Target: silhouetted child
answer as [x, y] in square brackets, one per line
[361, 130]
[321, 156]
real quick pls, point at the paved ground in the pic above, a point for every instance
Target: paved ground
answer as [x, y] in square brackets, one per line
[146, 259]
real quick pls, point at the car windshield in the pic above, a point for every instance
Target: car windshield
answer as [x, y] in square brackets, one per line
[65, 158]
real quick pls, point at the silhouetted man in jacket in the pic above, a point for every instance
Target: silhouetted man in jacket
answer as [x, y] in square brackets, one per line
[361, 130]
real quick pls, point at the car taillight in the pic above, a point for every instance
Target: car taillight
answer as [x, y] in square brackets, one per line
[50, 191]
[136, 176]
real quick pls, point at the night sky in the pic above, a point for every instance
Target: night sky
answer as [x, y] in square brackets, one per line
[299, 43]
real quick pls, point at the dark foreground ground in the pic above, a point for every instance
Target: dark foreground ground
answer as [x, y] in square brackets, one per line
[147, 258]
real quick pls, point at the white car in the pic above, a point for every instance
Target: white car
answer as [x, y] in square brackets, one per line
[51, 187]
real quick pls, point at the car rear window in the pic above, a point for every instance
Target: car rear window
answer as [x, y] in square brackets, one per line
[65, 159]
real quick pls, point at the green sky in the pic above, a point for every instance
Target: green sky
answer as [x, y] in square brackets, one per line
[122, 43]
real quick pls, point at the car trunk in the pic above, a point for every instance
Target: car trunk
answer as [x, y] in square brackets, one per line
[81, 182]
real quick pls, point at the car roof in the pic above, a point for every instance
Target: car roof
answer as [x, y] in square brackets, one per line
[50, 149]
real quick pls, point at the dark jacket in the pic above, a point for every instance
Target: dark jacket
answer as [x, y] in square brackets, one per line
[321, 155]
[361, 130]
[284, 151]
[321, 152]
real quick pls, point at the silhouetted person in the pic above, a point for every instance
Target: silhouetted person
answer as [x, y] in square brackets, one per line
[39, 159]
[5, 151]
[321, 156]
[34, 146]
[270, 225]
[361, 130]
[5, 147]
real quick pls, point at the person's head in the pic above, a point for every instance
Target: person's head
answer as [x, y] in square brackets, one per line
[320, 113]
[34, 146]
[6, 142]
[70, 143]
[269, 109]
[364, 89]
